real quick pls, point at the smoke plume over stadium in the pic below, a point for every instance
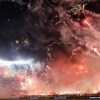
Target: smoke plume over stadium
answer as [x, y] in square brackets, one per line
[49, 47]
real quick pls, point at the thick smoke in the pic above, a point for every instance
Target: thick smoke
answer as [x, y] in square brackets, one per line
[63, 47]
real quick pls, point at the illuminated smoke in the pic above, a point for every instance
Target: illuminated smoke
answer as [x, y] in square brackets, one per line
[2, 62]
[57, 44]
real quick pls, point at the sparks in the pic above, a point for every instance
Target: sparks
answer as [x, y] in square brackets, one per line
[86, 22]
[96, 51]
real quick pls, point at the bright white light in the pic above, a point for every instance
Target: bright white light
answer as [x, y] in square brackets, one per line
[19, 62]
[29, 81]
[96, 51]
[13, 68]
[89, 24]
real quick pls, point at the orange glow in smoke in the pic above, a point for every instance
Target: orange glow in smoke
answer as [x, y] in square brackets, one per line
[63, 77]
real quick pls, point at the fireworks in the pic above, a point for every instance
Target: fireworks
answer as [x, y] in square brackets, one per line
[86, 21]
[78, 8]
[56, 43]
[96, 51]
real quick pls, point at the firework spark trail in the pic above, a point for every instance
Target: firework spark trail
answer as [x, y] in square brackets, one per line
[94, 31]
[96, 51]
[89, 25]
[91, 28]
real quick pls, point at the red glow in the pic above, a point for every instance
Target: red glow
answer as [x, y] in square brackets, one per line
[86, 19]
[60, 77]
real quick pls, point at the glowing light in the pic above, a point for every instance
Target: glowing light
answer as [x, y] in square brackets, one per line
[19, 62]
[95, 91]
[23, 87]
[96, 51]
[80, 67]
[86, 22]
[30, 81]
[46, 83]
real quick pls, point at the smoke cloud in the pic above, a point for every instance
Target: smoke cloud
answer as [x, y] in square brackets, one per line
[65, 47]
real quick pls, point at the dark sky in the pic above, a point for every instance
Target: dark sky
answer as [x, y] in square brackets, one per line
[19, 24]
